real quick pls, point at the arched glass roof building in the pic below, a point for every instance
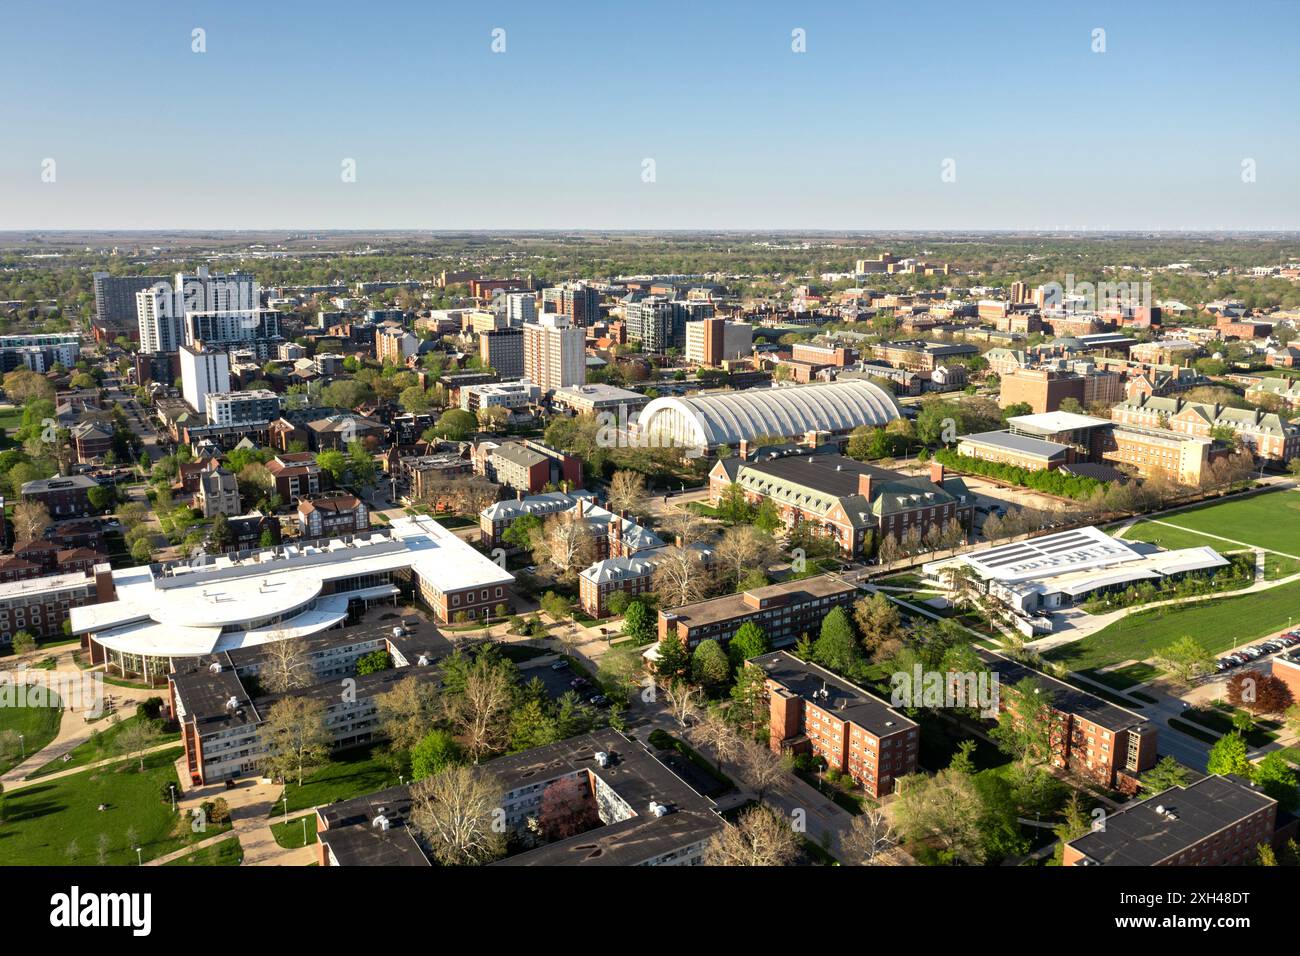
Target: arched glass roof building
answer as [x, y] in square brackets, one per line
[705, 421]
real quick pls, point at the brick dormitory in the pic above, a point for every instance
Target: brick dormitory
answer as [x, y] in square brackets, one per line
[648, 816]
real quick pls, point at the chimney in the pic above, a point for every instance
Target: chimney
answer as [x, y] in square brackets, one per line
[936, 472]
[744, 449]
[582, 507]
[864, 486]
[519, 494]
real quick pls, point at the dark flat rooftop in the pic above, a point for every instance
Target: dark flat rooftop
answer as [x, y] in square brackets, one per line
[843, 699]
[1140, 836]
[729, 606]
[1065, 697]
[634, 774]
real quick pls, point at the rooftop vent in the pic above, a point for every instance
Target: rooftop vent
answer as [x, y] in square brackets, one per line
[381, 822]
[602, 758]
[214, 667]
[658, 809]
[232, 703]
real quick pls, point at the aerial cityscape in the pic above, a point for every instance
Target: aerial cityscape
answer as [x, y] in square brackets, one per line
[909, 498]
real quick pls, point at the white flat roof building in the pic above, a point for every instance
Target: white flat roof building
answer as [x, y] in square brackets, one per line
[1056, 570]
[1054, 423]
[188, 609]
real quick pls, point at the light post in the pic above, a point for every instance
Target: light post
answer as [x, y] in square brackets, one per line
[304, 829]
[139, 857]
[172, 788]
[286, 808]
[23, 745]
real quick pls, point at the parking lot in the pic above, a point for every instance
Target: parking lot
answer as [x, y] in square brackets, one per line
[1260, 652]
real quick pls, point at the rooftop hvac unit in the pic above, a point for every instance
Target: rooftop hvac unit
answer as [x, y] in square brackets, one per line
[602, 758]
[232, 703]
[381, 822]
[214, 667]
[399, 632]
[658, 809]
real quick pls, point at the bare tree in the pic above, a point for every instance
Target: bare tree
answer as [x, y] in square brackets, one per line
[684, 525]
[137, 735]
[627, 491]
[478, 712]
[30, 521]
[760, 768]
[684, 702]
[286, 666]
[296, 736]
[681, 577]
[761, 838]
[870, 835]
[457, 812]
[742, 548]
[407, 712]
[718, 735]
[566, 543]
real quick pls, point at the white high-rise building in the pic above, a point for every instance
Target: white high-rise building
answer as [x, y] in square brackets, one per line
[162, 308]
[159, 314]
[555, 353]
[521, 308]
[202, 374]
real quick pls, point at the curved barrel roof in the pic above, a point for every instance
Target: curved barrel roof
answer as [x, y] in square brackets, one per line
[727, 417]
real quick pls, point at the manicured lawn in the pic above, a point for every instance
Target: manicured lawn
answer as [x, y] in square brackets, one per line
[350, 774]
[58, 822]
[1269, 520]
[102, 744]
[289, 835]
[224, 853]
[38, 725]
[1218, 624]
[1171, 538]
[1122, 678]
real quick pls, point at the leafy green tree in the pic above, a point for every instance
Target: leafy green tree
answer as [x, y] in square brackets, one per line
[436, 751]
[748, 641]
[522, 532]
[639, 622]
[1165, 774]
[673, 660]
[1185, 660]
[709, 665]
[1277, 778]
[836, 646]
[455, 424]
[373, 663]
[1229, 755]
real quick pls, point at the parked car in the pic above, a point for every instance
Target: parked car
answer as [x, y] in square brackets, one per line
[598, 700]
[560, 665]
[579, 682]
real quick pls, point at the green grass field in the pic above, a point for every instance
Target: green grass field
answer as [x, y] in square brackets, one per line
[58, 822]
[350, 774]
[1167, 537]
[102, 745]
[1269, 520]
[289, 835]
[226, 852]
[38, 725]
[1218, 624]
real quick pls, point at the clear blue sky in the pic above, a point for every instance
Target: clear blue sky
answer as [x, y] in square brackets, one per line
[745, 133]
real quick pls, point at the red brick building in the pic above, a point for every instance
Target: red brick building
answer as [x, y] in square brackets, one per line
[1216, 821]
[814, 711]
